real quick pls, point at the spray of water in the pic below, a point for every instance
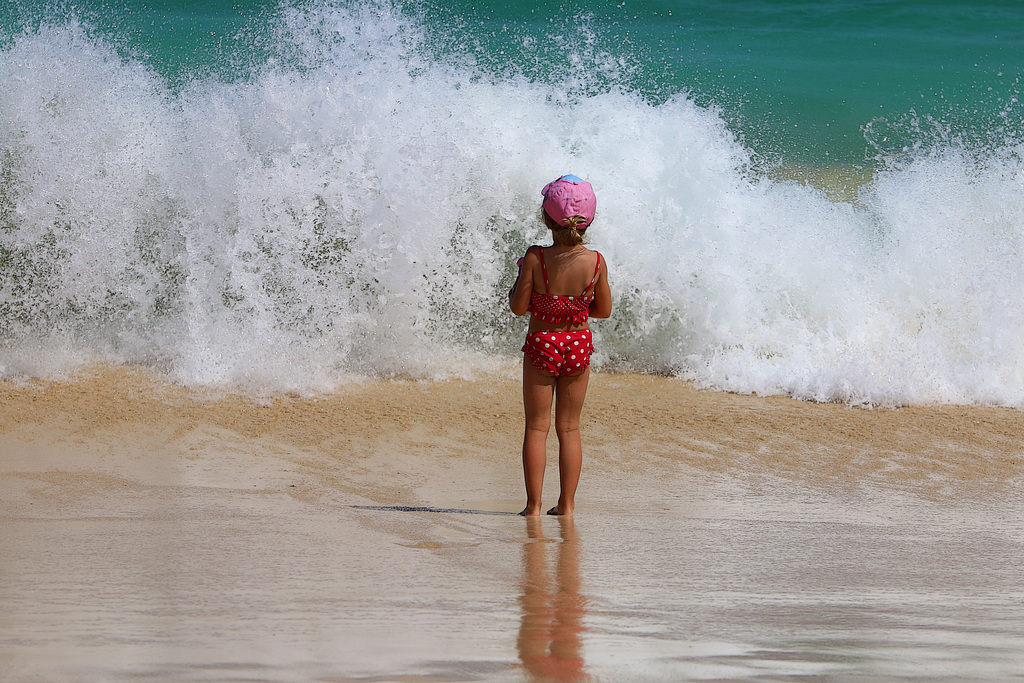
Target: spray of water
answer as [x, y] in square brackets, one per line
[354, 205]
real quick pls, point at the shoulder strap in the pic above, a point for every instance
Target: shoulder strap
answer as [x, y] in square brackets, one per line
[597, 270]
[544, 269]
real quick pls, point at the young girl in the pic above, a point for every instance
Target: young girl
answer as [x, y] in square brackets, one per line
[560, 286]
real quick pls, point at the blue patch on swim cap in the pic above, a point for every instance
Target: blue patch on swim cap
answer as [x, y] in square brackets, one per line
[573, 179]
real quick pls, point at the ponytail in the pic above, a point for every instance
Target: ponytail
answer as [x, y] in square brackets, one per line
[567, 235]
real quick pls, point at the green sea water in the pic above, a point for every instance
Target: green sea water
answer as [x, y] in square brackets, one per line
[820, 83]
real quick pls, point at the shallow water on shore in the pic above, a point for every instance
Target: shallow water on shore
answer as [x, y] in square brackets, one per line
[796, 583]
[718, 582]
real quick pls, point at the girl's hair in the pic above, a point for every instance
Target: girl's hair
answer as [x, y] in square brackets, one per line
[567, 235]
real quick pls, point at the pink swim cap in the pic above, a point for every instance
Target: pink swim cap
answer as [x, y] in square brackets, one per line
[570, 196]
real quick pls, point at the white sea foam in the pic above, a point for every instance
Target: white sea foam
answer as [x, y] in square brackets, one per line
[355, 206]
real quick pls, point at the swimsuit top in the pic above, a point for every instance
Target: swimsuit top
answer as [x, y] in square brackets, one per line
[557, 308]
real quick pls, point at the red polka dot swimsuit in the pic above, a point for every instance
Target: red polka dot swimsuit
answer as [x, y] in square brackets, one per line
[561, 353]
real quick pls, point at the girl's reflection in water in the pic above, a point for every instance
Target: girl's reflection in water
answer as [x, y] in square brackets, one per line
[551, 628]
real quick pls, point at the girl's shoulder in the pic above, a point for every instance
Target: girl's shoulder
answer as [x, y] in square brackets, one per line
[602, 264]
[595, 252]
[534, 252]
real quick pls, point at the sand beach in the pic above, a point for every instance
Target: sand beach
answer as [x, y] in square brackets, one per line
[152, 532]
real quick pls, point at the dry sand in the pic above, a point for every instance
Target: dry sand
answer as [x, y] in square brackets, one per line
[151, 532]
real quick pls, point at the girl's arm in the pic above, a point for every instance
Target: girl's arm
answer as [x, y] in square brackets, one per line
[601, 306]
[519, 271]
[519, 302]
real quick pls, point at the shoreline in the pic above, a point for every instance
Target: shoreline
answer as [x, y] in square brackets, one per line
[934, 450]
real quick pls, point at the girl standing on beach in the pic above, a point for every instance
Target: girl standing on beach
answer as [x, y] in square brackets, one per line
[560, 286]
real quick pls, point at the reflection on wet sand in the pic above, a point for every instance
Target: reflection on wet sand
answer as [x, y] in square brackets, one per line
[550, 631]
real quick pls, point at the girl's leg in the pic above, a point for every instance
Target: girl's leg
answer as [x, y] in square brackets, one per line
[570, 391]
[538, 391]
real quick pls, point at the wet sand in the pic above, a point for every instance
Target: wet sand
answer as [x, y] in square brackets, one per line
[148, 532]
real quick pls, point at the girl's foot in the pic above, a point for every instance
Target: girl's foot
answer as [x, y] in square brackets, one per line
[530, 512]
[556, 511]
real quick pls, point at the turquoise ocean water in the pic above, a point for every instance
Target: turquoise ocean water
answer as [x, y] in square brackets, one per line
[819, 199]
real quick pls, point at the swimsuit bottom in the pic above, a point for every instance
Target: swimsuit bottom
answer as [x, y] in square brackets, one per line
[559, 353]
